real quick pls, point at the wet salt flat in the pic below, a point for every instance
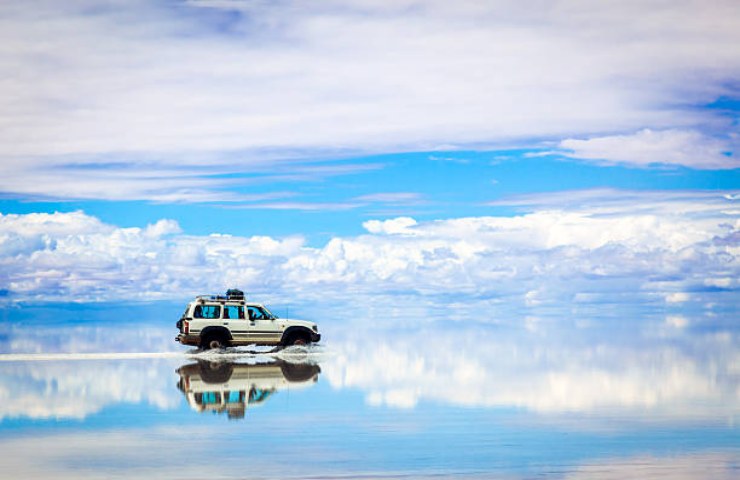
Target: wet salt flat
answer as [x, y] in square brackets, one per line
[652, 396]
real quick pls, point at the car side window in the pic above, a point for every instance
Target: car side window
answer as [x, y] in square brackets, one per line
[233, 311]
[207, 311]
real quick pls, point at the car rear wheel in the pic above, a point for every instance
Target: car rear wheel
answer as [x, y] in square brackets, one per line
[213, 342]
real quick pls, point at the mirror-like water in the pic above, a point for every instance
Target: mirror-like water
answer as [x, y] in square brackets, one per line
[649, 397]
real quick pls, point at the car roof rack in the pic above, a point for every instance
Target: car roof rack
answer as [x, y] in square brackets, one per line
[232, 295]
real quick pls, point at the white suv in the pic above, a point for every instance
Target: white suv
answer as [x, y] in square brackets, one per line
[215, 321]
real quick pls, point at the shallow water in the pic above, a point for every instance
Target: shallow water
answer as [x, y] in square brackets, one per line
[656, 396]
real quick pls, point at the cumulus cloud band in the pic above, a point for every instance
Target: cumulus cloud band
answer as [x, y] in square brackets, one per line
[629, 243]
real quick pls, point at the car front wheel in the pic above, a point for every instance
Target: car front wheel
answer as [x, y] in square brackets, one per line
[297, 339]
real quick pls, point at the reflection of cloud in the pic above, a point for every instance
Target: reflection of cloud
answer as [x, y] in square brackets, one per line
[644, 245]
[63, 386]
[151, 453]
[160, 452]
[103, 337]
[400, 350]
[76, 389]
[717, 466]
[627, 373]
[549, 369]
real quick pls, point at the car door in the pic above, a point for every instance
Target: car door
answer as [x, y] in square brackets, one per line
[262, 326]
[234, 320]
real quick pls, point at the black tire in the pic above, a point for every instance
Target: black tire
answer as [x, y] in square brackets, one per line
[214, 341]
[297, 339]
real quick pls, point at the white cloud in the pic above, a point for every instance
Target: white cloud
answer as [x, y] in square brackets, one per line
[201, 183]
[675, 147]
[684, 244]
[172, 88]
[300, 206]
[400, 225]
[391, 197]
[612, 202]
[459, 161]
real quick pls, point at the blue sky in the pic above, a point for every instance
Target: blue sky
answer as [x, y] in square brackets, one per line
[423, 185]
[142, 130]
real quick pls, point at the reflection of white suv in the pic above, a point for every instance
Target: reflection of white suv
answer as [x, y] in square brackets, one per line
[214, 321]
[232, 388]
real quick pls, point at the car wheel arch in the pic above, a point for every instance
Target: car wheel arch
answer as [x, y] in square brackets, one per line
[291, 332]
[215, 332]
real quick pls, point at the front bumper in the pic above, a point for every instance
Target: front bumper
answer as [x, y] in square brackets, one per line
[315, 337]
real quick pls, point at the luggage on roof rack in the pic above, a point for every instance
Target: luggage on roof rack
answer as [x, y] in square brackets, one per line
[234, 294]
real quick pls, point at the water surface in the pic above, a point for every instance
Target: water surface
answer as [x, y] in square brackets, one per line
[655, 396]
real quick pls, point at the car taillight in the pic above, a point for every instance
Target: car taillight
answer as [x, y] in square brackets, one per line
[187, 327]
